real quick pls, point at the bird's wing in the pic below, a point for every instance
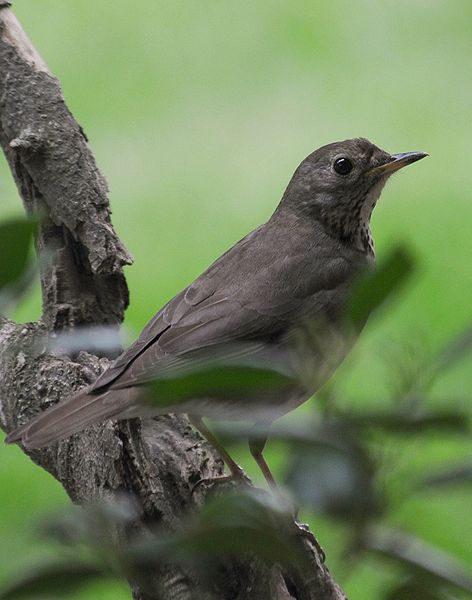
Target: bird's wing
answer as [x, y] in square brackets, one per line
[253, 292]
[202, 289]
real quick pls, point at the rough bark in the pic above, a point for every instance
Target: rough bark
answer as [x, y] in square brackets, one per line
[157, 460]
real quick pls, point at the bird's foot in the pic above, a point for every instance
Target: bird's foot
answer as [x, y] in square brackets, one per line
[303, 529]
[237, 476]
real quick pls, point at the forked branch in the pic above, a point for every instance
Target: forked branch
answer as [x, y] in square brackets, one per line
[82, 280]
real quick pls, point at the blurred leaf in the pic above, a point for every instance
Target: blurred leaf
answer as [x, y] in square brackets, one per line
[15, 243]
[373, 289]
[455, 351]
[332, 476]
[452, 421]
[298, 433]
[68, 527]
[92, 524]
[407, 364]
[226, 370]
[90, 339]
[417, 590]
[217, 381]
[119, 511]
[54, 580]
[228, 526]
[454, 476]
[91, 531]
[11, 294]
[17, 272]
[419, 558]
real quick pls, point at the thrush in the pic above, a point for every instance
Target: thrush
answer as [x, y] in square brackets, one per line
[256, 301]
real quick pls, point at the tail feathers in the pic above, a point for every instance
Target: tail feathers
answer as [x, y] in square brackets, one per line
[74, 414]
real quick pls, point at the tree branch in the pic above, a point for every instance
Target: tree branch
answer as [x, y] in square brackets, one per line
[57, 176]
[157, 460]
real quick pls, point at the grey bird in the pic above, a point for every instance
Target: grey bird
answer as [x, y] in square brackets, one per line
[255, 303]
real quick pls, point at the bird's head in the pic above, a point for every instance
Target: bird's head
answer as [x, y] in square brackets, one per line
[339, 185]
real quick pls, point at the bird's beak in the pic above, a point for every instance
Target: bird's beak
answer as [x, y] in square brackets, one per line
[397, 161]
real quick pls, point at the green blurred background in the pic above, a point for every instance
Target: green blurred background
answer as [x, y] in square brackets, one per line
[198, 113]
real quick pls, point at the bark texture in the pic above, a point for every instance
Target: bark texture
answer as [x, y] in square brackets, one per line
[157, 460]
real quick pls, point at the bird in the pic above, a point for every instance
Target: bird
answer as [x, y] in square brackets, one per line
[256, 302]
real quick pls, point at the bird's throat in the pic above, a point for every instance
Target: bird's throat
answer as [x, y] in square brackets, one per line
[362, 236]
[363, 240]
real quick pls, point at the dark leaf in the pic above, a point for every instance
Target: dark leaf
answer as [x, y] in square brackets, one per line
[54, 580]
[417, 590]
[452, 421]
[298, 433]
[420, 559]
[373, 289]
[334, 478]
[15, 243]
[454, 476]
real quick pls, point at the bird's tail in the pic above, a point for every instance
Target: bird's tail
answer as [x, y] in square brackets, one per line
[74, 414]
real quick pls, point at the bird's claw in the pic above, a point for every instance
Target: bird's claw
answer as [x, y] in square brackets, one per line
[211, 481]
[237, 476]
[304, 530]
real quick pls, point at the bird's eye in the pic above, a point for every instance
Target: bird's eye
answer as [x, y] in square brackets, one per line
[342, 166]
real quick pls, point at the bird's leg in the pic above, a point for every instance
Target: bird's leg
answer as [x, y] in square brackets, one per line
[256, 447]
[236, 471]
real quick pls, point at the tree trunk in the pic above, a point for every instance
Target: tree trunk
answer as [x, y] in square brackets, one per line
[157, 460]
